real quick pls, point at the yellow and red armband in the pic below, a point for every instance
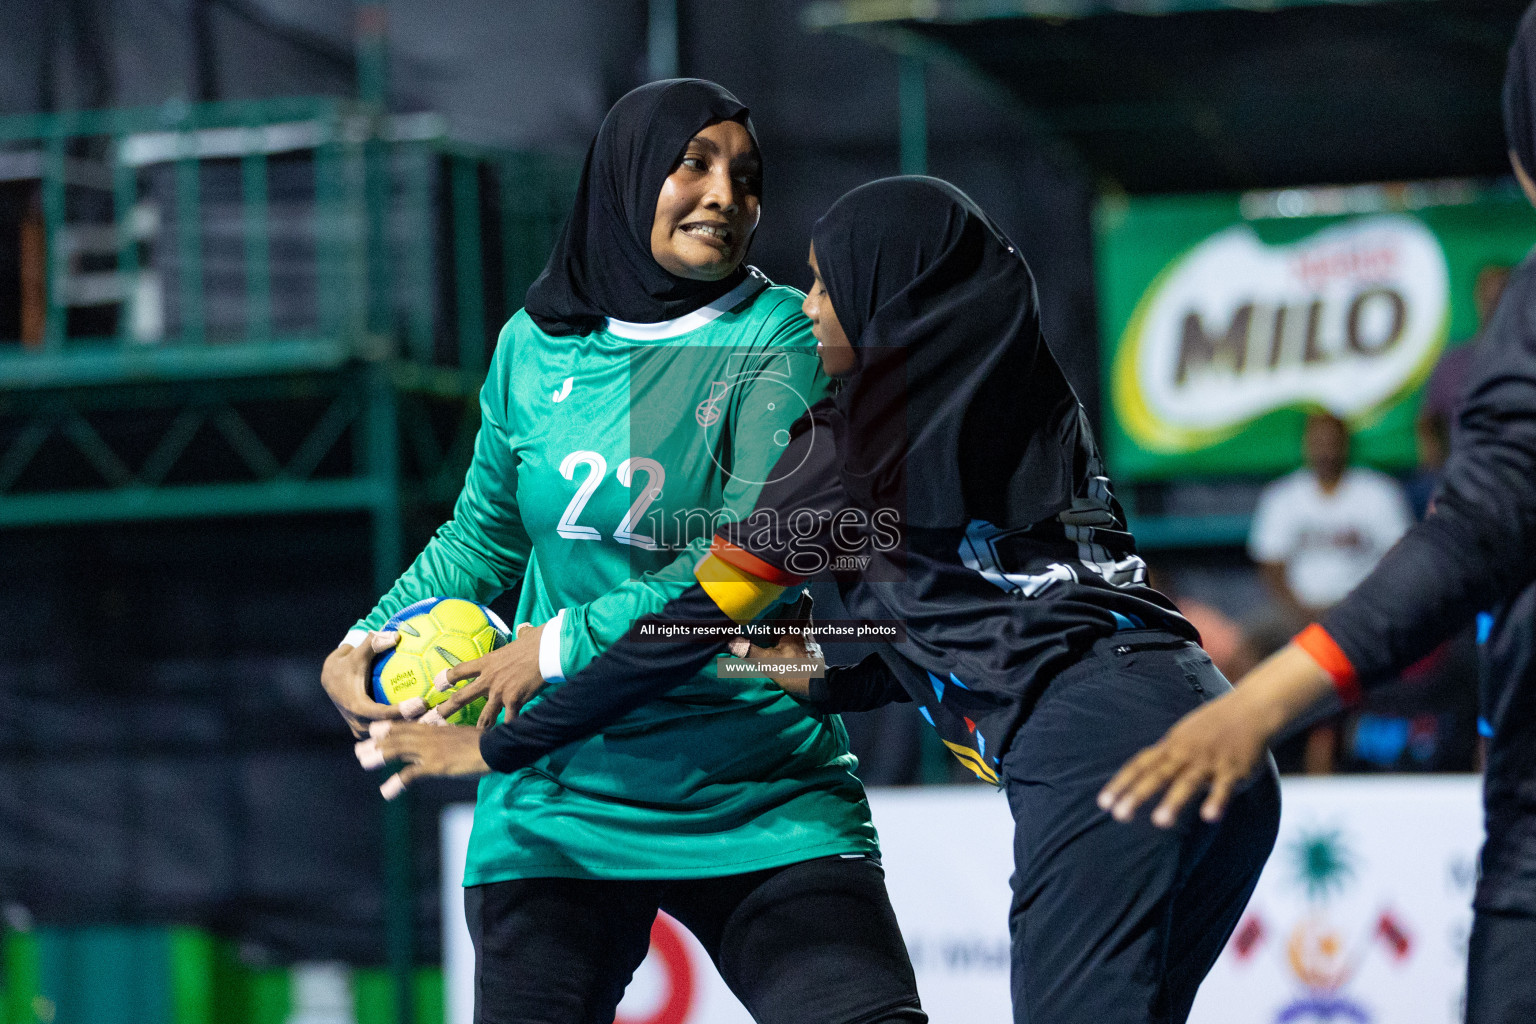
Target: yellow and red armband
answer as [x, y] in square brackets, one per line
[741, 584]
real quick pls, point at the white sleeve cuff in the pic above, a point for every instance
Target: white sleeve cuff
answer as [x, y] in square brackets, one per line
[354, 638]
[549, 650]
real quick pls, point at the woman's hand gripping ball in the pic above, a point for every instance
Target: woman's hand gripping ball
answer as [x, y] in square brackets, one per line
[508, 677]
[345, 678]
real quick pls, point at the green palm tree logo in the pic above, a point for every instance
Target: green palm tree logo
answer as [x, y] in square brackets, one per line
[1322, 863]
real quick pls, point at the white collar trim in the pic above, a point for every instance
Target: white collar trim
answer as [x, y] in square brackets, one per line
[754, 283]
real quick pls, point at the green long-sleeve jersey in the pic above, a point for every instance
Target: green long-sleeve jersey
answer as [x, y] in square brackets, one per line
[600, 471]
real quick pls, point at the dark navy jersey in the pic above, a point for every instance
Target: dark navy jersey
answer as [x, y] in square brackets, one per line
[992, 617]
[1475, 551]
[989, 616]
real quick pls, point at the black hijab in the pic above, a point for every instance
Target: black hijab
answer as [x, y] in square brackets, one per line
[602, 264]
[957, 409]
[1520, 93]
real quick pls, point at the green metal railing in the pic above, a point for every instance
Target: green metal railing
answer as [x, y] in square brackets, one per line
[293, 302]
[221, 268]
[218, 269]
[400, 232]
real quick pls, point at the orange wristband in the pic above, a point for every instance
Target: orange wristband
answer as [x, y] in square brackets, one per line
[1327, 653]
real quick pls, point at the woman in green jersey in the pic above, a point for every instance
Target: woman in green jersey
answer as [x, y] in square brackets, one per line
[644, 392]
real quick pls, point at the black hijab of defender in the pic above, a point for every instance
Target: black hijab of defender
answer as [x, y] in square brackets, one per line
[602, 265]
[1520, 93]
[956, 410]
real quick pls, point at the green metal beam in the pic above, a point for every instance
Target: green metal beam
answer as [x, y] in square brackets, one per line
[189, 245]
[330, 251]
[373, 90]
[913, 96]
[417, 199]
[125, 198]
[80, 365]
[468, 270]
[834, 14]
[175, 115]
[199, 501]
[258, 244]
[1155, 533]
[55, 203]
[160, 394]
[382, 462]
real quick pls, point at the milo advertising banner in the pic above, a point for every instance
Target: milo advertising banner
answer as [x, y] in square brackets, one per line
[1226, 318]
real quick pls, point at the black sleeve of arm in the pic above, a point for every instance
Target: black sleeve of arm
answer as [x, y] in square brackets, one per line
[627, 675]
[862, 687]
[1476, 548]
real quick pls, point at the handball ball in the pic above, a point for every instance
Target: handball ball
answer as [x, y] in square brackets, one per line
[435, 633]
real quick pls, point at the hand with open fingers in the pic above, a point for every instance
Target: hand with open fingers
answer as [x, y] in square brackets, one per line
[791, 645]
[1211, 751]
[792, 642]
[507, 678]
[345, 678]
[427, 752]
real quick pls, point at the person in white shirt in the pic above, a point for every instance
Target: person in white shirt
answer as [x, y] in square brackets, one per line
[1319, 531]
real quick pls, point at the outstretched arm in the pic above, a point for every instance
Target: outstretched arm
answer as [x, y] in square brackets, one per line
[639, 667]
[630, 673]
[1214, 748]
[508, 678]
[862, 687]
[1472, 552]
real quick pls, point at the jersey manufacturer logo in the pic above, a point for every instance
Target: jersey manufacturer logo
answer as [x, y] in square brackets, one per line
[564, 392]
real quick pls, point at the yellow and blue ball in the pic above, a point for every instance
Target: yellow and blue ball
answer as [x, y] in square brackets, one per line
[435, 633]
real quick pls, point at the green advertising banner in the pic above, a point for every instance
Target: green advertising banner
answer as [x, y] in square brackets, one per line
[1226, 318]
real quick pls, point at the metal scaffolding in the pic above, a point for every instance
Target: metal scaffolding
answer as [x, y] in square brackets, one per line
[273, 307]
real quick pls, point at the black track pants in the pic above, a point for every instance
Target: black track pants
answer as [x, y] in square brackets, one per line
[1501, 969]
[1119, 923]
[811, 943]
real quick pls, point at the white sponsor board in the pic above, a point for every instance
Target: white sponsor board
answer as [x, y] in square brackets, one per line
[1363, 912]
[1361, 915]
[948, 852]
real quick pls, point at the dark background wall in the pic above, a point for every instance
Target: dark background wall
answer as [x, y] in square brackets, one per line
[540, 74]
[166, 753]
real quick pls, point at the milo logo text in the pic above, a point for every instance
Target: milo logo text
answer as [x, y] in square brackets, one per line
[1373, 322]
[1346, 319]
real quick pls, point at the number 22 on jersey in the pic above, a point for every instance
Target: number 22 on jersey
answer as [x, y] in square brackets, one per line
[597, 468]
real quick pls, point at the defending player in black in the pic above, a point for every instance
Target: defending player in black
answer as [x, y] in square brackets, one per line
[1475, 551]
[957, 464]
